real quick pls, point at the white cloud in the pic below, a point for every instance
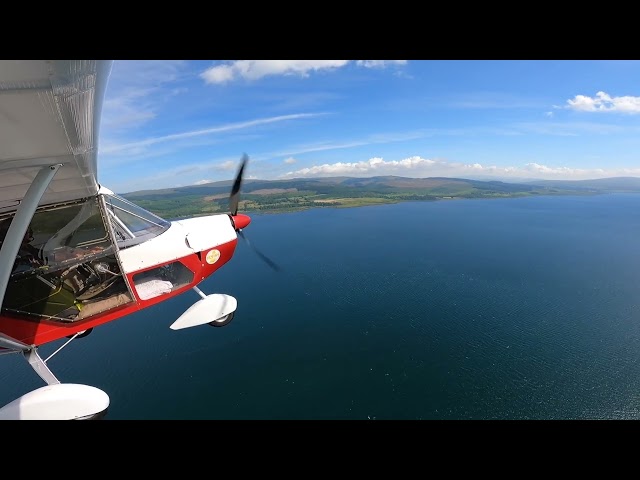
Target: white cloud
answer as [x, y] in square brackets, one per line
[256, 69]
[228, 165]
[577, 173]
[202, 182]
[370, 166]
[219, 74]
[603, 102]
[549, 114]
[290, 160]
[418, 167]
[379, 63]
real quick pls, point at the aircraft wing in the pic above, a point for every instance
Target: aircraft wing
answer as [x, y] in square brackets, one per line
[50, 114]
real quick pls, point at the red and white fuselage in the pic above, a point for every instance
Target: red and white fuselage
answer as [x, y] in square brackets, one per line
[194, 248]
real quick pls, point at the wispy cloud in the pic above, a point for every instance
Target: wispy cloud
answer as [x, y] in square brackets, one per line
[137, 89]
[574, 128]
[604, 102]
[289, 160]
[136, 147]
[183, 175]
[257, 69]
[380, 138]
[493, 100]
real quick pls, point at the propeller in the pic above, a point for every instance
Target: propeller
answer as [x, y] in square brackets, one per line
[239, 220]
[266, 259]
[234, 198]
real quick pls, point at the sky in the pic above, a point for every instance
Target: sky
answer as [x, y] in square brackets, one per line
[171, 123]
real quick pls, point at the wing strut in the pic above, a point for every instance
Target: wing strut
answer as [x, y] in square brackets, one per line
[12, 344]
[40, 366]
[20, 223]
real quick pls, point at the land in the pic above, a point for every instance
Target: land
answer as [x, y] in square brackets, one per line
[276, 196]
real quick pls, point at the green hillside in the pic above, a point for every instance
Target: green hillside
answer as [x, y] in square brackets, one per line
[272, 196]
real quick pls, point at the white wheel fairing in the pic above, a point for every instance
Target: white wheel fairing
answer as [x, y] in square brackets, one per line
[63, 401]
[206, 310]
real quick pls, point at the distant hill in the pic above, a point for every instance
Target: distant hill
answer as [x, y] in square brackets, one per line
[381, 183]
[302, 193]
[603, 185]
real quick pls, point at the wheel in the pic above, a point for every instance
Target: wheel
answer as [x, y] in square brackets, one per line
[221, 322]
[82, 333]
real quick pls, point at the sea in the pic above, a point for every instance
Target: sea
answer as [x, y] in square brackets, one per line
[478, 309]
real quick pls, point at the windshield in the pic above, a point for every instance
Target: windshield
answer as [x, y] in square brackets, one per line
[132, 224]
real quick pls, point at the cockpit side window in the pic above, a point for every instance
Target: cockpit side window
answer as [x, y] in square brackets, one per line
[57, 235]
[66, 268]
[132, 224]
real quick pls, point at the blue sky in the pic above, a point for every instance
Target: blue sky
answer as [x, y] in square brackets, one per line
[177, 123]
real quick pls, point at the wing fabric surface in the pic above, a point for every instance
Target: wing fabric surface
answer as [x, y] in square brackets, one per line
[50, 114]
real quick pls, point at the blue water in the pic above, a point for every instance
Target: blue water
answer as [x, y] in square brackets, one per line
[466, 309]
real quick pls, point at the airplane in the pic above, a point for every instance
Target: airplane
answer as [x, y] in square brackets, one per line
[74, 254]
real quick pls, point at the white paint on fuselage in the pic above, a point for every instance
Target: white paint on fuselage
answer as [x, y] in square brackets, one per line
[202, 233]
[183, 238]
